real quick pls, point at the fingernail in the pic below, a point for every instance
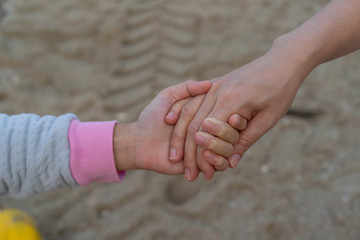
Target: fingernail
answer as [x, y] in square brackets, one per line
[205, 177]
[234, 160]
[172, 153]
[170, 114]
[187, 174]
[207, 154]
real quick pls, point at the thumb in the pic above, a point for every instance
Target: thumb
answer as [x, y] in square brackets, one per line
[173, 94]
[254, 130]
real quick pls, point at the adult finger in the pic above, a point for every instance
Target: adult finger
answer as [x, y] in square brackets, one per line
[177, 141]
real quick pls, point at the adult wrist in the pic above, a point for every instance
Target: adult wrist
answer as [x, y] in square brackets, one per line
[298, 54]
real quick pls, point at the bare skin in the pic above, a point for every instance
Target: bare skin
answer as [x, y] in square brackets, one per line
[262, 91]
[145, 144]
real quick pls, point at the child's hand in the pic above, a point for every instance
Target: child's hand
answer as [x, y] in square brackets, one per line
[217, 137]
[145, 144]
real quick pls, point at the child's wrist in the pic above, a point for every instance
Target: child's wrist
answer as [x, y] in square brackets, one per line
[124, 146]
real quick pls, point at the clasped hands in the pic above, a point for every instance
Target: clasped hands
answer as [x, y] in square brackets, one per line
[207, 126]
[146, 143]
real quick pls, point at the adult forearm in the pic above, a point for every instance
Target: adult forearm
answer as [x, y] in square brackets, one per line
[263, 90]
[331, 33]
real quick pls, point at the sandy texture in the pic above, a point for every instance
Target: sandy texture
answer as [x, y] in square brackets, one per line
[106, 59]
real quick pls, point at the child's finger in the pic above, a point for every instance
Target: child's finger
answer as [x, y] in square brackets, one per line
[207, 169]
[184, 90]
[238, 122]
[214, 144]
[172, 117]
[220, 129]
[219, 162]
[177, 141]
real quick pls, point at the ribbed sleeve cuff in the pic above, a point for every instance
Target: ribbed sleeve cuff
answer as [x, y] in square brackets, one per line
[91, 153]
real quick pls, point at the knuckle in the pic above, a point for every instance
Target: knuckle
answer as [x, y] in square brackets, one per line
[177, 137]
[177, 106]
[211, 144]
[228, 151]
[227, 97]
[192, 129]
[232, 136]
[186, 110]
[222, 166]
[221, 130]
[244, 144]
[235, 137]
[252, 104]
[218, 162]
[244, 141]
[201, 164]
[191, 163]
[227, 93]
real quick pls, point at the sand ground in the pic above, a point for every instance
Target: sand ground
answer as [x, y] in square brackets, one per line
[105, 60]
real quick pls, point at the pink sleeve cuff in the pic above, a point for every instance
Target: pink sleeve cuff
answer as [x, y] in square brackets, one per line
[91, 153]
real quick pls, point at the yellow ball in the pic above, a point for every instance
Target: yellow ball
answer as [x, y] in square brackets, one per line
[17, 225]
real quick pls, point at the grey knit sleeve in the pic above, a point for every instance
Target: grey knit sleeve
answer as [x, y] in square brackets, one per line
[34, 154]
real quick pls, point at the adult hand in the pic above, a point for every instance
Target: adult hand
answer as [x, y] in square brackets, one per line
[260, 92]
[263, 90]
[145, 144]
[218, 137]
